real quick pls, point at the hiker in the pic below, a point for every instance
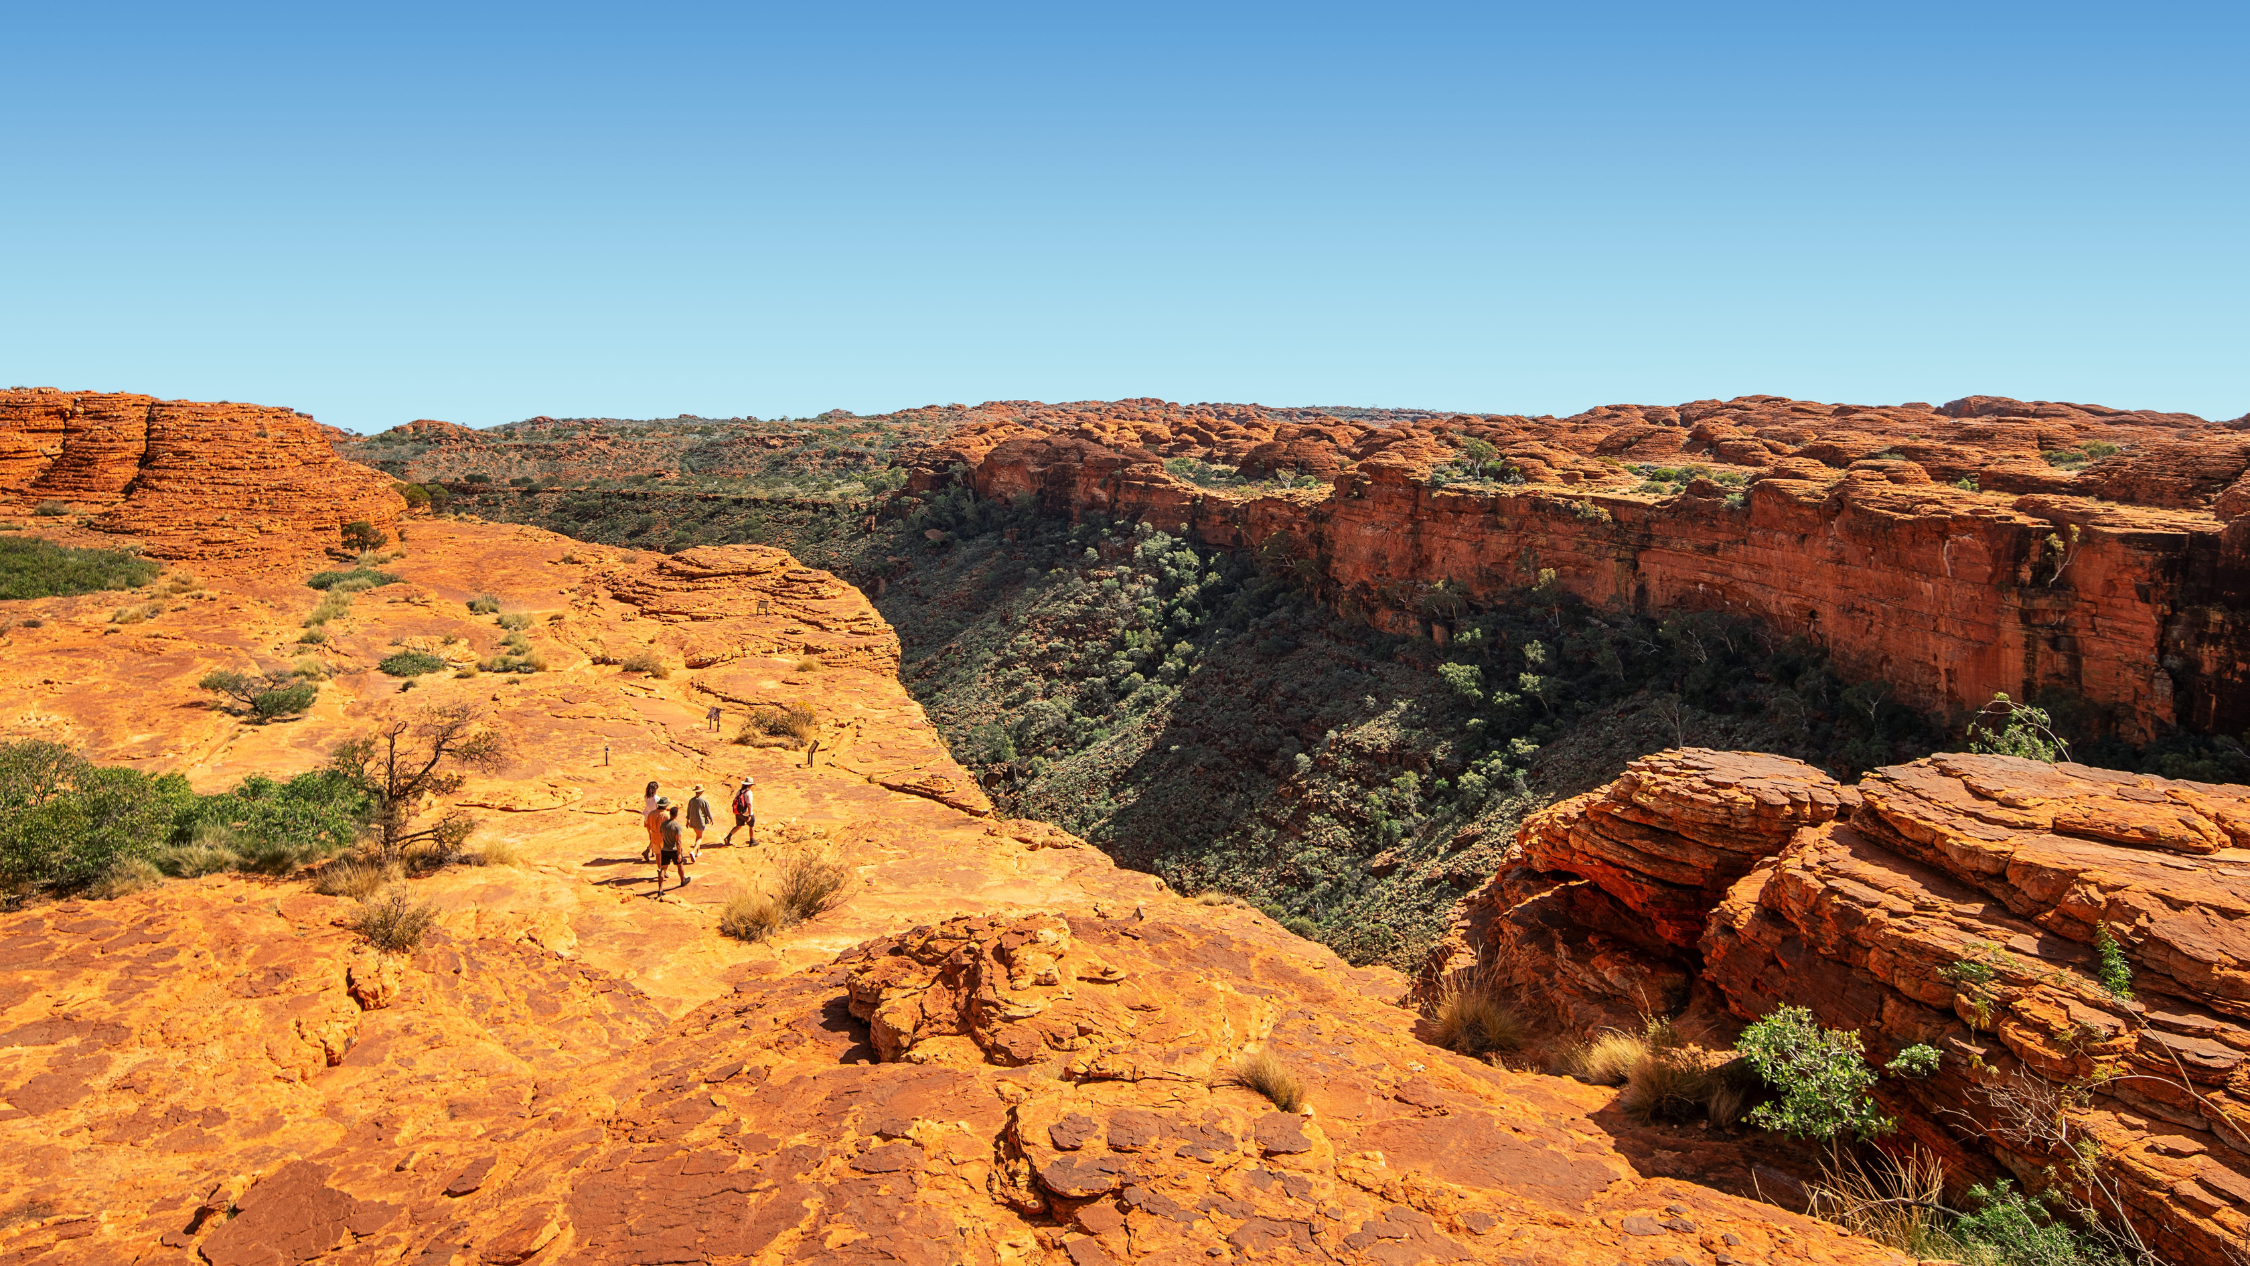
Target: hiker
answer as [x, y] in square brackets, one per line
[671, 854]
[700, 816]
[652, 817]
[745, 813]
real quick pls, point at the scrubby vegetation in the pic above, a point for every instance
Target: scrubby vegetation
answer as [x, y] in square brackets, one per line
[34, 568]
[409, 663]
[65, 822]
[265, 696]
[353, 581]
[393, 921]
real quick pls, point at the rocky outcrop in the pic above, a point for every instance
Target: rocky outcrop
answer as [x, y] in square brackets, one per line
[193, 481]
[1029, 1087]
[709, 594]
[1957, 902]
[2088, 553]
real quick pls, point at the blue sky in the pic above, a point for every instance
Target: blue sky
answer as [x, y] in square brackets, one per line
[483, 212]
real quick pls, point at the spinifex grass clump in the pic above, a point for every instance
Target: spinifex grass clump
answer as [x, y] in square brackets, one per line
[1265, 1073]
[1472, 1016]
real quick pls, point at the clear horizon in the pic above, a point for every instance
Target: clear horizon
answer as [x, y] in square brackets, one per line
[487, 214]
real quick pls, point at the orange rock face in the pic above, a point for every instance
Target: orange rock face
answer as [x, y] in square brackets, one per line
[193, 481]
[1848, 530]
[999, 1047]
[1953, 902]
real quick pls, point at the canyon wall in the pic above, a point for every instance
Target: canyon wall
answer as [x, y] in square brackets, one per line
[1957, 902]
[192, 480]
[2117, 576]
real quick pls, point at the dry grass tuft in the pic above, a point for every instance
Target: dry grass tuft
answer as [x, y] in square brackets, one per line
[793, 725]
[129, 875]
[1892, 1199]
[1264, 1072]
[394, 922]
[355, 877]
[646, 661]
[808, 663]
[1666, 1084]
[753, 917]
[1214, 897]
[1472, 1018]
[1607, 1060]
[810, 883]
[496, 853]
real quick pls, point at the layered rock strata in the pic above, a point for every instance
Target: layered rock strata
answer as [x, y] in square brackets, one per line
[192, 480]
[2121, 581]
[1956, 902]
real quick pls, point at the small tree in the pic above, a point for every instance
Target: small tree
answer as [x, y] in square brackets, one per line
[265, 696]
[361, 536]
[413, 757]
[1821, 1074]
[2004, 727]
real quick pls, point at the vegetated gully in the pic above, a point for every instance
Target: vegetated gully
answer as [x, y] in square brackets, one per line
[1200, 714]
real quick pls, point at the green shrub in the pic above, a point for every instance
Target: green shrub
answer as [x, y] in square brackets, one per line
[35, 568]
[409, 663]
[358, 578]
[484, 604]
[1918, 1060]
[64, 821]
[314, 636]
[285, 702]
[2006, 1229]
[2115, 973]
[1820, 1074]
[314, 814]
[514, 621]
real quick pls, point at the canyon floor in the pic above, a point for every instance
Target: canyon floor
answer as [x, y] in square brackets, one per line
[999, 1047]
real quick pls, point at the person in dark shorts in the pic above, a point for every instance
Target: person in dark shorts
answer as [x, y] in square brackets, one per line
[674, 851]
[745, 811]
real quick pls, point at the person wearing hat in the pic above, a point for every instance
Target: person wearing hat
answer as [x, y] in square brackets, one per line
[700, 816]
[652, 817]
[745, 812]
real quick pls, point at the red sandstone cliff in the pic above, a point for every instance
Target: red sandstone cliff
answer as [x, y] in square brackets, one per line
[1953, 901]
[2121, 581]
[193, 480]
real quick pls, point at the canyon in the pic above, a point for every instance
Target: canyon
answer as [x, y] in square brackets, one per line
[2116, 582]
[1004, 1046]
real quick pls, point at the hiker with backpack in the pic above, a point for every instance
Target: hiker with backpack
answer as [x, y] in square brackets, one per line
[745, 812]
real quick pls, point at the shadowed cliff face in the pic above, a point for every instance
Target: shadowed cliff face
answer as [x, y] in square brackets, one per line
[2112, 580]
